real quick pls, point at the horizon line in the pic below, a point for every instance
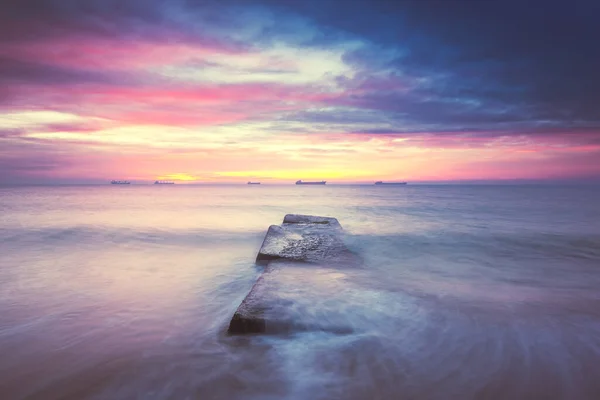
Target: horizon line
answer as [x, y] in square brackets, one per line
[351, 183]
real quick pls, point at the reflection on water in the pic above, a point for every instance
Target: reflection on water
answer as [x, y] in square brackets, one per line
[466, 292]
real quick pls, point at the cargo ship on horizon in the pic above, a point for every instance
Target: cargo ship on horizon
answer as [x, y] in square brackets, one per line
[390, 183]
[164, 182]
[114, 182]
[311, 183]
[253, 183]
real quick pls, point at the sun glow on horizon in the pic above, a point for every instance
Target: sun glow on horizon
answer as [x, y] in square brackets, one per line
[178, 177]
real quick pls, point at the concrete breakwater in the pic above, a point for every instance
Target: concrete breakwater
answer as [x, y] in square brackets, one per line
[300, 242]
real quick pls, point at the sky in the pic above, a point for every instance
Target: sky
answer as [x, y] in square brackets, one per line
[345, 91]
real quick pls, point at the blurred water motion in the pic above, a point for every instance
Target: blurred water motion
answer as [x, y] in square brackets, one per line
[470, 292]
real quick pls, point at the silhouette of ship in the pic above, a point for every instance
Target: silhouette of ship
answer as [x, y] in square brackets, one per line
[390, 183]
[164, 182]
[253, 183]
[310, 183]
[113, 182]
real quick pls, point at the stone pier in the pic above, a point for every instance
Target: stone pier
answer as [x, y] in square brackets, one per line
[301, 247]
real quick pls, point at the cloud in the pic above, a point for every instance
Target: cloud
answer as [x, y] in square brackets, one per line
[14, 71]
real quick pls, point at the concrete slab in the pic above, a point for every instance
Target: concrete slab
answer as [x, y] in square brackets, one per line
[293, 253]
[290, 297]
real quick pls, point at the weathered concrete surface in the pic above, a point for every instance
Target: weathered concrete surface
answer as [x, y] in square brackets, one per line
[301, 242]
[304, 238]
[291, 297]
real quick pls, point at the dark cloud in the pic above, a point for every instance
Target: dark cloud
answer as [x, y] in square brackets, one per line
[10, 133]
[26, 165]
[484, 64]
[20, 71]
[22, 164]
[24, 20]
[157, 21]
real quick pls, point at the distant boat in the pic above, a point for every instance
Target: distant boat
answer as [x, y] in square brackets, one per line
[390, 183]
[310, 183]
[164, 182]
[253, 183]
[113, 182]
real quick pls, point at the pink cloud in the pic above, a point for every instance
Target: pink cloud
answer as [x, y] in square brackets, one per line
[176, 105]
[559, 165]
[214, 94]
[110, 54]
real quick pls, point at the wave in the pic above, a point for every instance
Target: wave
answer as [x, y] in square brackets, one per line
[113, 236]
[514, 245]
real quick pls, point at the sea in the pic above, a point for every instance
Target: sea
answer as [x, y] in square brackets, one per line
[465, 292]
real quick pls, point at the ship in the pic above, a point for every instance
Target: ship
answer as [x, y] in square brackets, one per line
[253, 183]
[390, 183]
[113, 182]
[164, 182]
[310, 183]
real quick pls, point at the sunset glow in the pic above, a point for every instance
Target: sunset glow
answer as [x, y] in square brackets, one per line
[242, 91]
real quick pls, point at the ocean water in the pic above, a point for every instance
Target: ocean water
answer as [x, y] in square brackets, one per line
[466, 292]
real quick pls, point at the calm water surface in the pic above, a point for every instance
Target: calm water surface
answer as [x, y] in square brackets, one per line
[467, 292]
